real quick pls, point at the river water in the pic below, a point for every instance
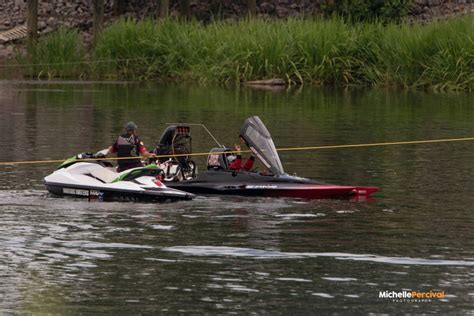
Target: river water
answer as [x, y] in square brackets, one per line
[239, 255]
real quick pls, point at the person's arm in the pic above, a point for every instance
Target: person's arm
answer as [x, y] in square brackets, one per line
[249, 163]
[112, 149]
[237, 163]
[143, 151]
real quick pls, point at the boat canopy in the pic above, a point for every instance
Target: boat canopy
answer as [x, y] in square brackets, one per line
[261, 144]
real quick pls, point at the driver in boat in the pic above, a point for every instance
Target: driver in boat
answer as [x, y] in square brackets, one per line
[235, 161]
[129, 145]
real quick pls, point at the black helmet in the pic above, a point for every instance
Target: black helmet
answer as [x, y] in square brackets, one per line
[131, 126]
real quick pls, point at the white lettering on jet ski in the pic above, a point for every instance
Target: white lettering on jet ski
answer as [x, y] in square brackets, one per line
[69, 191]
[82, 192]
[261, 186]
[76, 192]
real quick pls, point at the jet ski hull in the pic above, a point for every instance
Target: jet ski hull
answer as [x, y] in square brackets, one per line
[114, 195]
[96, 182]
[254, 184]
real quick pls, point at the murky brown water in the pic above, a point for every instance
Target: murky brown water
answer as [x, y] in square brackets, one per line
[240, 255]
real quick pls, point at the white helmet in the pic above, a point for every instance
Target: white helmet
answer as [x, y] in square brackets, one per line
[231, 158]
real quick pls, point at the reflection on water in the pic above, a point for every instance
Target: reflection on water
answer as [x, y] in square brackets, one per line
[236, 254]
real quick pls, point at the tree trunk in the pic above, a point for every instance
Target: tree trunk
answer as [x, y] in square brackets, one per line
[163, 8]
[252, 7]
[31, 23]
[185, 10]
[98, 18]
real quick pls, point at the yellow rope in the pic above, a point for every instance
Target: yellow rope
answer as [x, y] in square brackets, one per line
[380, 144]
[248, 151]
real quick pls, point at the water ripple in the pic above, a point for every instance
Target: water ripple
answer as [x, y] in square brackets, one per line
[91, 244]
[297, 215]
[264, 254]
[336, 279]
[325, 295]
[293, 279]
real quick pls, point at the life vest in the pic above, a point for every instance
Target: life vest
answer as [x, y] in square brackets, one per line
[128, 146]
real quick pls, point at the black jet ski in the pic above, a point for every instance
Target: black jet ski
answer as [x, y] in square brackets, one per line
[219, 179]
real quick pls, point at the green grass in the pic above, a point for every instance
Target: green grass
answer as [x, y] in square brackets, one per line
[439, 55]
[57, 55]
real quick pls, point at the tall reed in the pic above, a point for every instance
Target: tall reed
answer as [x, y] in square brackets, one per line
[57, 55]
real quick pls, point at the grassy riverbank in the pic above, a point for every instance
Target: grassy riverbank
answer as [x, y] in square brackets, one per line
[439, 55]
[58, 55]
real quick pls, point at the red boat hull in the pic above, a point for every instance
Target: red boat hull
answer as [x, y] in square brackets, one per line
[254, 184]
[322, 192]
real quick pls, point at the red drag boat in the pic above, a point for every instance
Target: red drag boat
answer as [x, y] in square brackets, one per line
[218, 179]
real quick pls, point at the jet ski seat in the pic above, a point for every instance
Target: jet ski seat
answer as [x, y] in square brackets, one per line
[108, 175]
[95, 170]
[104, 174]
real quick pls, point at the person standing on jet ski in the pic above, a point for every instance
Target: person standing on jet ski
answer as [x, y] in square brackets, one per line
[129, 145]
[236, 161]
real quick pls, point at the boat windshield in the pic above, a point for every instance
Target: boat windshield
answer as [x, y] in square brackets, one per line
[261, 144]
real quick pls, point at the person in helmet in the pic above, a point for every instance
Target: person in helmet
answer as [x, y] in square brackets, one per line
[129, 145]
[235, 161]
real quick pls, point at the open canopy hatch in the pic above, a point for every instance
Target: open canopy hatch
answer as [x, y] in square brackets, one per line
[261, 144]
